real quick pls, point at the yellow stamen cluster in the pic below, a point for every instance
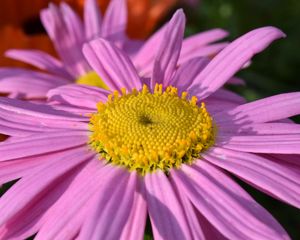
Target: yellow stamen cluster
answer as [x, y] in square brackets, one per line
[92, 79]
[146, 131]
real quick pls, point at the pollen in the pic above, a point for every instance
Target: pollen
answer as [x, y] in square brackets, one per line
[92, 79]
[145, 131]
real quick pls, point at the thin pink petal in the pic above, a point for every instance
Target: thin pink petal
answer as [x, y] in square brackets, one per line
[265, 110]
[41, 144]
[144, 58]
[61, 28]
[209, 230]
[198, 41]
[11, 126]
[214, 106]
[232, 58]
[92, 19]
[204, 51]
[135, 226]
[28, 188]
[31, 84]
[260, 129]
[115, 20]
[40, 60]
[73, 23]
[226, 205]
[267, 175]
[78, 95]
[227, 96]
[14, 169]
[187, 72]
[113, 208]
[24, 110]
[201, 39]
[288, 159]
[112, 65]
[166, 213]
[89, 181]
[166, 59]
[197, 231]
[284, 144]
[28, 221]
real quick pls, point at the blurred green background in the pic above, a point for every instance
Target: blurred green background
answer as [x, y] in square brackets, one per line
[274, 71]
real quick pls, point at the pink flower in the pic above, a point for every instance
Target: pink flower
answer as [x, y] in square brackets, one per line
[68, 34]
[67, 192]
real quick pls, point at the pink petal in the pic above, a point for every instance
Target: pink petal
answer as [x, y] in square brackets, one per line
[287, 159]
[135, 226]
[196, 229]
[286, 144]
[73, 23]
[267, 175]
[80, 111]
[198, 41]
[30, 83]
[226, 205]
[27, 189]
[259, 129]
[40, 60]
[115, 21]
[23, 110]
[89, 181]
[201, 39]
[204, 51]
[166, 213]
[187, 72]
[41, 144]
[27, 222]
[112, 210]
[168, 53]
[209, 230]
[227, 96]
[214, 106]
[112, 65]
[78, 95]
[265, 110]
[92, 19]
[232, 59]
[14, 169]
[144, 58]
[11, 126]
[61, 27]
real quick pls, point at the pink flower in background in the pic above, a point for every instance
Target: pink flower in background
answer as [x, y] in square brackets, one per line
[68, 34]
[79, 182]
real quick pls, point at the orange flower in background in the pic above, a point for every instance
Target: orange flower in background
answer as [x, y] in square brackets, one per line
[20, 26]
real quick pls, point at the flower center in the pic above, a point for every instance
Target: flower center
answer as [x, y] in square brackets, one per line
[92, 79]
[146, 131]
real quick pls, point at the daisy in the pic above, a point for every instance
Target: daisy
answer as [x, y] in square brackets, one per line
[18, 26]
[98, 168]
[68, 34]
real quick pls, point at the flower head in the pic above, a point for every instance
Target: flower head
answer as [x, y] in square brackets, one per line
[71, 155]
[68, 34]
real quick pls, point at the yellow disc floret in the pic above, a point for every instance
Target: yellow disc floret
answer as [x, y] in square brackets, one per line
[146, 131]
[92, 79]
